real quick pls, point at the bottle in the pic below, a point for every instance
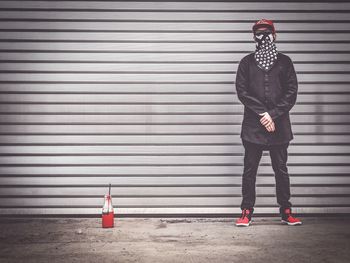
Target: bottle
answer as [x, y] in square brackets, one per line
[108, 211]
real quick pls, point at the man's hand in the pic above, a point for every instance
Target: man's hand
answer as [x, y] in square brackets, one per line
[267, 121]
[270, 127]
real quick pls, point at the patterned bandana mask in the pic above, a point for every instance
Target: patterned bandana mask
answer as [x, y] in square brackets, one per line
[266, 51]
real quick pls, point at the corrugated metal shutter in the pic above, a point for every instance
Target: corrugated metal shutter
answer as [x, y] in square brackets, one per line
[141, 95]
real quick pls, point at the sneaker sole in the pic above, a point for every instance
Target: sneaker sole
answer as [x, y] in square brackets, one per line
[291, 224]
[242, 224]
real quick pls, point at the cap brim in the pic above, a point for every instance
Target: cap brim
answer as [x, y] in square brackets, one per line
[262, 25]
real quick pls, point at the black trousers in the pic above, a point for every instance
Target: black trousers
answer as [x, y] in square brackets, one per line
[252, 156]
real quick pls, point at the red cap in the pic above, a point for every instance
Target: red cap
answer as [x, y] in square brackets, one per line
[264, 23]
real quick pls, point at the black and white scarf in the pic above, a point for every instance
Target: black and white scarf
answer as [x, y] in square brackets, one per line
[266, 51]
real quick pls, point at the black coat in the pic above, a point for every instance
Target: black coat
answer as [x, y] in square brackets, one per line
[274, 91]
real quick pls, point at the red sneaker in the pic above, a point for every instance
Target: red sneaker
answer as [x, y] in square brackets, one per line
[288, 219]
[246, 217]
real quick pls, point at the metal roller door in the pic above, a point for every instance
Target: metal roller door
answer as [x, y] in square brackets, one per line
[141, 95]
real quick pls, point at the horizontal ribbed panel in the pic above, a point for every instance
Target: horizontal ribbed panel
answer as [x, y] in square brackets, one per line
[141, 95]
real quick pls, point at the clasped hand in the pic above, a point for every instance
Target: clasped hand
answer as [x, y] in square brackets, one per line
[267, 121]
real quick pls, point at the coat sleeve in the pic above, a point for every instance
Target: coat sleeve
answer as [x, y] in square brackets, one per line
[288, 99]
[242, 81]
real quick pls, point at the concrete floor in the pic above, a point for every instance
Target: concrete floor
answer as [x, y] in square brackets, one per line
[174, 240]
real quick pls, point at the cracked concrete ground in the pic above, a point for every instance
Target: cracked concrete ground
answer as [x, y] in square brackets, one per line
[174, 240]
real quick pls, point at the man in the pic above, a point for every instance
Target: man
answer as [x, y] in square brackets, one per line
[266, 84]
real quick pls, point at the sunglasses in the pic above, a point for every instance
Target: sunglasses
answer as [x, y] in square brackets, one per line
[260, 33]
